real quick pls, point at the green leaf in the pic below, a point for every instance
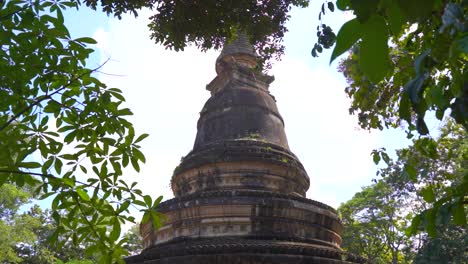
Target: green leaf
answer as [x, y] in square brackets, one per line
[421, 126]
[414, 227]
[124, 206]
[83, 194]
[430, 218]
[58, 165]
[416, 10]
[459, 47]
[146, 217]
[140, 203]
[124, 112]
[44, 121]
[141, 137]
[394, 16]
[419, 62]
[349, 34]
[83, 169]
[376, 157]
[139, 155]
[157, 201]
[68, 181]
[86, 40]
[458, 212]
[374, 55]
[364, 9]
[343, 4]
[30, 165]
[116, 230]
[135, 164]
[411, 172]
[148, 200]
[155, 220]
[428, 194]
[414, 88]
[385, 157]
[70, 136]
[404, 109]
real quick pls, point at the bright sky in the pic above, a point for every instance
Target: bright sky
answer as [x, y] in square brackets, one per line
[166, 91]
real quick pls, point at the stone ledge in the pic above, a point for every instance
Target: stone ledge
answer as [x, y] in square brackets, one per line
[240, 193]
[196, 247]
[239, 150]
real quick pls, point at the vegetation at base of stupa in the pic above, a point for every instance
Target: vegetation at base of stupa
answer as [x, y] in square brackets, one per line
[408, 61]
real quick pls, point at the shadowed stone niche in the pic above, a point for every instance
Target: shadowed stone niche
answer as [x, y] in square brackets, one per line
[240, 193]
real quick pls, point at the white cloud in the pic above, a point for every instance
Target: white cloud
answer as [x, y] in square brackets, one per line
[102, 37]
[321, 132]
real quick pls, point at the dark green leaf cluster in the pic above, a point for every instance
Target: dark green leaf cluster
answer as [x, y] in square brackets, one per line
[423, 69]
[325, 35]
[62, 131]
[119, 7]
[210, 23]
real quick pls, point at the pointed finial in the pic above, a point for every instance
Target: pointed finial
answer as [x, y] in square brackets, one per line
[239, 51]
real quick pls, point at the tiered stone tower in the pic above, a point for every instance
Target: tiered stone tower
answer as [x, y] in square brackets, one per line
[240, 193]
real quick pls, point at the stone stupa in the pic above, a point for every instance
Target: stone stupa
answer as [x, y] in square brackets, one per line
[240, 193]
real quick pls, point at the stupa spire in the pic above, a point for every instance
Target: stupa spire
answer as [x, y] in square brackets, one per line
[238, 51]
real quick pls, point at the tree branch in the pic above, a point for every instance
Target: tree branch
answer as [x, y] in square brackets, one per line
[49, 96]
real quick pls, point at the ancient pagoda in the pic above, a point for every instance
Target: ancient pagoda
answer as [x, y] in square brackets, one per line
[240, 193]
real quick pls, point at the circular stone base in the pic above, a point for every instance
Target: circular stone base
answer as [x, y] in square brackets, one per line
[246, 214]
[240, 251]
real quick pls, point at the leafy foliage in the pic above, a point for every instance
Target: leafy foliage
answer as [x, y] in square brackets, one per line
[375, 223]
[14, 227]
[325, 35]
[449, 247]
[62, 131]
[435, 171]
[24, 235]
[416, 213]
[119, 7]
[209, 25]
[407, 60]
[423, 69]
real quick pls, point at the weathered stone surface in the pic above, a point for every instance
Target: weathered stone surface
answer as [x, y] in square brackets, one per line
[240, 193]
[240, 164]
[238, 52]
[241, 251]
[247, 213]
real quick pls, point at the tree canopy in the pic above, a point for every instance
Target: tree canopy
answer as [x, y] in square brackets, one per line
[62, 131]
[423, 55]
